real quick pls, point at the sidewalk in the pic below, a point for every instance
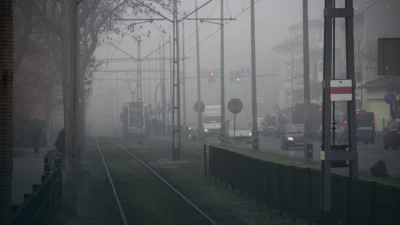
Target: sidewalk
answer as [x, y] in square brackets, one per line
[27, 170]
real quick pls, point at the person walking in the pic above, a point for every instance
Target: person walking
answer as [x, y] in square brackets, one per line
[36, 135]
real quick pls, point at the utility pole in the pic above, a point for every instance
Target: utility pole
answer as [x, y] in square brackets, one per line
[332, 155]
[71, 139]
[6, 109]
[253, 79]
[308, 145]
[139, 66]
[183, 74]
[163, 95]
[199, 120]
[223, 132]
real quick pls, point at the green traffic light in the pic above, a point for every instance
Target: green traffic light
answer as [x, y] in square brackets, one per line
[237, 79]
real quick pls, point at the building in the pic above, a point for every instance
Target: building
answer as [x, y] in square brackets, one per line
[289, 64]
[373, 19]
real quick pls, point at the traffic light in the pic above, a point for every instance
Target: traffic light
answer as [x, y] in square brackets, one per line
[211, 78]
[237, 79]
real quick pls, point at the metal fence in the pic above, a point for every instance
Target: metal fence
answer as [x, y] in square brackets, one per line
[40, 206]
[297, 191]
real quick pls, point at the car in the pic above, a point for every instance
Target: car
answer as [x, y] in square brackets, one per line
[391, 135]
[365, 122]
[292, 136]
[241, 133]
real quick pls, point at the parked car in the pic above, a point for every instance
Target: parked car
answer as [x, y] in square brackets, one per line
[292, 136]
[391, 135]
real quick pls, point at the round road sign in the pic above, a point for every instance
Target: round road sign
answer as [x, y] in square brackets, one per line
[235, 105]
[199, 106]
[390, 98]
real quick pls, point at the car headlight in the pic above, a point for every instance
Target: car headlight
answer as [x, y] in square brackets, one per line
[189, 128]
[206, 130]
[290, 139]
[250, 134]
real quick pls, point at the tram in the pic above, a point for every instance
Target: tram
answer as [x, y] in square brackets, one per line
[133, 121]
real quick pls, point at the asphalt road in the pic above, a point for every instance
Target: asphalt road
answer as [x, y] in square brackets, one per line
[368, 153]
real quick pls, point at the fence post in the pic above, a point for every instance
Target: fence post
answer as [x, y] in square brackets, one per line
[349, 201]
[373, 203]
[293, 184]
[205, 160]
[280, 194]
[309, 189]
[210, 162]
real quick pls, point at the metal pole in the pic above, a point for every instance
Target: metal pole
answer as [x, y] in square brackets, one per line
[351, 106]
[183, 74]
[173, 78]
[6, 110]
[308, 145]
[326, 125]
[163, 95]
[222, 139]
[178, 96]
[253, 79]
[199, 120]
[171, 66]
[291, 76]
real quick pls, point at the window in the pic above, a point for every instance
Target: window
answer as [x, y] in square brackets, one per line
[212, 119]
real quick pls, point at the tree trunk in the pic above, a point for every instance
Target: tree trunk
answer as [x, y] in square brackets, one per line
[6, 106]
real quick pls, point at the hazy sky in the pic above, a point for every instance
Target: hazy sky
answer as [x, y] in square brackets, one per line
[272, 20]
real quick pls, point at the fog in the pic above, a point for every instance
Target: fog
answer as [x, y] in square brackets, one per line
[272, 21]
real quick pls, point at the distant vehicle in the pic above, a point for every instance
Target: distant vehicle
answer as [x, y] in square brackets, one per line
[133, 121]
[211, 121]
[273, 124]
[242, 133]
[391, 135]
[296, 115]
[292, 136]
[365, 122]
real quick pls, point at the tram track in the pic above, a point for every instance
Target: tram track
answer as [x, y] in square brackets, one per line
[124, 168]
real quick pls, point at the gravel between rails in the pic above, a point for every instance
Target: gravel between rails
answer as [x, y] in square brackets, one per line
[222, 204]
[145, 199]
[96, 204]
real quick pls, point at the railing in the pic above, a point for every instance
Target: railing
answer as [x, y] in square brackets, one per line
[40, 206]
[297, 191]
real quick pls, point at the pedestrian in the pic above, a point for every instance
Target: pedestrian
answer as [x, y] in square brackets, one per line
[36, 135]
[60, 142]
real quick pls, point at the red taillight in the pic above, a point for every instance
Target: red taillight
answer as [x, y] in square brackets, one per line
[397, 132]
[278, 124]
[357, 113]
[345, 122]
[373, 122]
[142, 129]
[294, 108]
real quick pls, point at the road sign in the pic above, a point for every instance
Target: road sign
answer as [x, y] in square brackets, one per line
[390, 98]
[235, 105]
[199, 105]
[341, 90]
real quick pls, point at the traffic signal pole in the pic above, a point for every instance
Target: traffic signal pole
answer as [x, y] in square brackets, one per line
[223, 131]
[199, 122]
[255, 142]
[309, 140]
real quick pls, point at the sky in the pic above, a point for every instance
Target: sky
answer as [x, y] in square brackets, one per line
[272, 18]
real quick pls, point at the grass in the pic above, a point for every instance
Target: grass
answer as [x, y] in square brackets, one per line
[224, 205]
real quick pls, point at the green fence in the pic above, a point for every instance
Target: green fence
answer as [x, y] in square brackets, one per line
[297, 191]
[40, 206]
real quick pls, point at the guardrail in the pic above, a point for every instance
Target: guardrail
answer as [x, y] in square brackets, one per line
[297, 190]
[40, 206]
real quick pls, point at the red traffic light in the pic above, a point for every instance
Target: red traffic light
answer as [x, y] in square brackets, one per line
[212, 74]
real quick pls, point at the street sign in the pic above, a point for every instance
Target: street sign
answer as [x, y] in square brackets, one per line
[390, 98]
[244, 71]
[199, 105]
[341, 90]
[235, 105]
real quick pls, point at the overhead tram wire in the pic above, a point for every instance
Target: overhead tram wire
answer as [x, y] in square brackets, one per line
[216, 31]
[212, 10]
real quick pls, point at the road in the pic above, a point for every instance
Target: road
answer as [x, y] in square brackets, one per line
[368, 153]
